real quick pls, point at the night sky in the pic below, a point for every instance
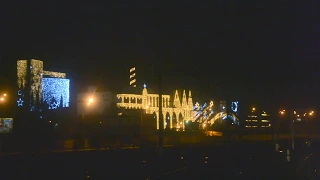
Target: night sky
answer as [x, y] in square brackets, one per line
[260, 52]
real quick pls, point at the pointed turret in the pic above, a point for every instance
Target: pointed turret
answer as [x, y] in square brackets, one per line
[176, 101]
[190, 102]
[184, 99]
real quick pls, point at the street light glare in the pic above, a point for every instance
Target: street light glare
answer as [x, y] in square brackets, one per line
[90, 100]
[4, 94]
[1, 99]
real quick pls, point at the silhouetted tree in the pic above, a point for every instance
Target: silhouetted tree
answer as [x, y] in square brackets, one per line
[61, 101]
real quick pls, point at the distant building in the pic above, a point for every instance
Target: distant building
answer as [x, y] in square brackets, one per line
[265, 120]
[257, 120]
[94, 102]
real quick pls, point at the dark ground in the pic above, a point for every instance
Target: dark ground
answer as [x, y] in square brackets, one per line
[251, 160]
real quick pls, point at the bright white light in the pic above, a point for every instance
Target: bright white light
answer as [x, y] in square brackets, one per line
[90, 100]
[55, 92]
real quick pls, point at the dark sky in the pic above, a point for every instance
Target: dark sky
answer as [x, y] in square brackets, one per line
[262, 52]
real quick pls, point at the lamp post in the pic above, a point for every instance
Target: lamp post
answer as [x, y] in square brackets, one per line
[308, 126]
[90, 101]
[2, 100]
[291, 115]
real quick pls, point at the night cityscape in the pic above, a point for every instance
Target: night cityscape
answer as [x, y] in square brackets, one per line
[148, 90]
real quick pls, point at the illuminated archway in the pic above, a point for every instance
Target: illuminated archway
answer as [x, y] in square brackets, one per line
[174, 120]
[180, 121]
[167, 121]
[155, 116]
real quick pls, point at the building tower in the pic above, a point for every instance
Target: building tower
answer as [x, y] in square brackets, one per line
[31, 79]
[133, 77]
[29, 74]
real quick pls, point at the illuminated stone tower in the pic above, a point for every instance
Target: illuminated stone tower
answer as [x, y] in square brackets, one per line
[29, 74]
[184, 99]
[133, 77]
[190, 102]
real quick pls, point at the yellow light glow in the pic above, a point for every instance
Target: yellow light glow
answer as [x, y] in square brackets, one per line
[22, 73]
[151, 102]
[132, 69]
[4, 94]
[55, 74]
[1, 99]
[90, 100]
[36, 70]
[253, 109]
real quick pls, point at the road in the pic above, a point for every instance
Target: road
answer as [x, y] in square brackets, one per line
[249, 160]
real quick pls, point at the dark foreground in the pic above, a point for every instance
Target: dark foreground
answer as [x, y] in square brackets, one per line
[256, 160]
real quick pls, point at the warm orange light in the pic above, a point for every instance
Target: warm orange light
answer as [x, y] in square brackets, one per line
[281, 112]
[253, 109]
[1, 99]
[90, 100]
[4, 94]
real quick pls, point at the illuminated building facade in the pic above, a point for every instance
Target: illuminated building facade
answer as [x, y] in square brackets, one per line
[175, 112]
[100, 105]
[37, 87]
[257, 120]
[265, 120]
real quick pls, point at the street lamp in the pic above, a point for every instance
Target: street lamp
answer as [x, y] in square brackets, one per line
[292, 125]
[90, 101]
[3, 98]
[308, 127]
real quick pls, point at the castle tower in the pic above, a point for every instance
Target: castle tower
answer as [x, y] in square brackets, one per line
[133, 77]
[29, 76]
[190, 102]
[184, 99]
[176, 101]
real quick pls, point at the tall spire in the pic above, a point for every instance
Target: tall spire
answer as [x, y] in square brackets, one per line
[190, 102]
[176, 101]
[184, 99]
